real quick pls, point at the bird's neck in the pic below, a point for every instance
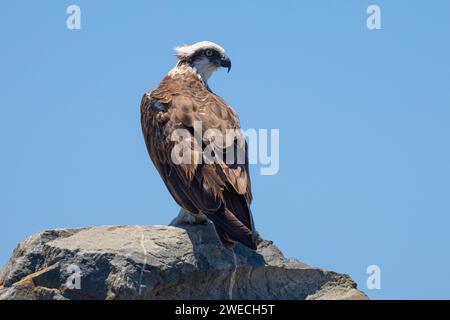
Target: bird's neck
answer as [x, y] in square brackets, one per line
[202, 69]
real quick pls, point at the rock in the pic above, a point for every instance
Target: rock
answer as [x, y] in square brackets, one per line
[159, 262]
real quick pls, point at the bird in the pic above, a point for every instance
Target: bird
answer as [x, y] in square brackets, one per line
[218, 191]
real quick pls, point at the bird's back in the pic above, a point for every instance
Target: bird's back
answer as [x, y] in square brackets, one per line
[222, 191]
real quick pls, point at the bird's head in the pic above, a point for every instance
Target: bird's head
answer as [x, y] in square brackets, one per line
[206, 57]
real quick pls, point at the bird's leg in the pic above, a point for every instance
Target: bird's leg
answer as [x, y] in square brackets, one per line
[186, 217]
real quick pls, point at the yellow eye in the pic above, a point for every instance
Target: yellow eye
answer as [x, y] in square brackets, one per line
[209, 53]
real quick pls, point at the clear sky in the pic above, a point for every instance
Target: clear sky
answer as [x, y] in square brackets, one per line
[363, 116]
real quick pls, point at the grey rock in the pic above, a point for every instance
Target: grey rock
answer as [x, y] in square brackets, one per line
[160, 262]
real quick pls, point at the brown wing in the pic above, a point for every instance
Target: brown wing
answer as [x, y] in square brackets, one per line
[221, 190]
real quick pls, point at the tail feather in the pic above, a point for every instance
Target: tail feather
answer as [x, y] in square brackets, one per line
[226, 241]
[231, 228]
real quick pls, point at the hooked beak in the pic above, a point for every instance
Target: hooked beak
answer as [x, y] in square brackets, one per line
[225, 62]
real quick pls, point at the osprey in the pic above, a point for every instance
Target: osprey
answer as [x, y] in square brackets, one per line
[218, 190]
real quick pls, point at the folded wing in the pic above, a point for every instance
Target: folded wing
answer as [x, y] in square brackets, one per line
[220, 189]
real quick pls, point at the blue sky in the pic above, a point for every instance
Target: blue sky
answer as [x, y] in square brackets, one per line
[363, 116]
